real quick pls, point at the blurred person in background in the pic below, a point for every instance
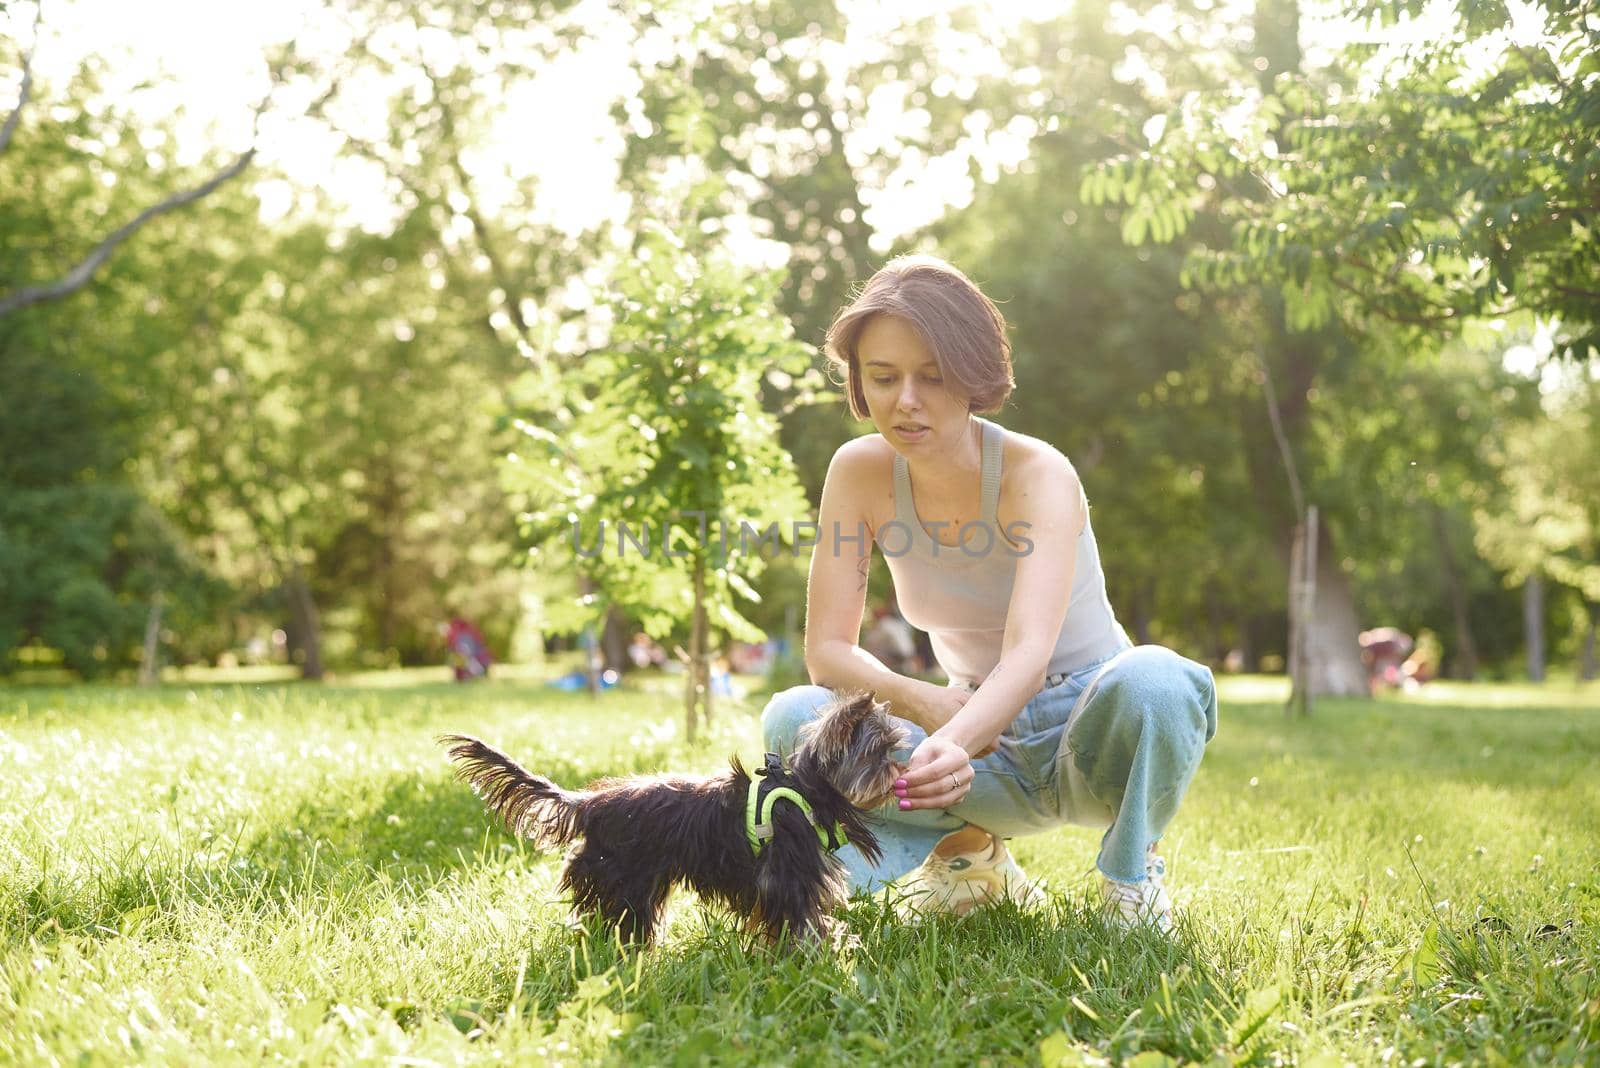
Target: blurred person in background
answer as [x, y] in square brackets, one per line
[469, 652]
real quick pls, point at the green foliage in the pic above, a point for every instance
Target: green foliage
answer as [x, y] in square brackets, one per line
[310, 403]
[1448, 189]
[669, 435]
[82, 552]
[1409, 452]
[341, 419]
[79, 564]
[292, 871]
[1546, 519]
[1374, 218]
[778, 92]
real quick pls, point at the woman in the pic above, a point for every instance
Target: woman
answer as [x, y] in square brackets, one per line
[1051, 715]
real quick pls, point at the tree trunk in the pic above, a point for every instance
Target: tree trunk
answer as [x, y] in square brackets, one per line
[694, 689]
[388, 524]
[1249, 661]
[149, 666]
[1290, 363]
[1335, 653]
[593, 666]
[1141, 617]
[1333, 650]
[1302, 608]
[1465, 661]
[614, 641]
[702, 637]
[1533, 624]
[1216, 625]
[586, 642]
[307, 625]
[1588, 665]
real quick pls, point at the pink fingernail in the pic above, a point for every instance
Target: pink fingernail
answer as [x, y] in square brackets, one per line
[904, 803]
[899, 784]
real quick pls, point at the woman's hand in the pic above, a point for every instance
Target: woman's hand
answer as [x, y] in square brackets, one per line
[939, 775]
[929, 705]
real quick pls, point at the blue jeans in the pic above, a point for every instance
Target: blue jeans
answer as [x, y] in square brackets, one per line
[1113, 745]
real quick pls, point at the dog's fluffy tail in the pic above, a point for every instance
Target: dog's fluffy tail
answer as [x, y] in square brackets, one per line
[531, 805]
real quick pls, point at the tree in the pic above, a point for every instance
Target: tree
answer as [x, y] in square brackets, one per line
[1545, 523]
[1116, 364]
[1447, 192]
[1454, 189]
[330, 435]
[81, 552]
[85, 552]
[786, 87]
[670, 439]
[81, 270]
[1192, 167]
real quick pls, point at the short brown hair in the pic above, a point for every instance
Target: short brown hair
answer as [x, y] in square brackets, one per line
[962, 327]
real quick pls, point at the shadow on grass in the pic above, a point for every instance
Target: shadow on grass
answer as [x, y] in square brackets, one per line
[405, 835]
[999, 979]
[405, 840]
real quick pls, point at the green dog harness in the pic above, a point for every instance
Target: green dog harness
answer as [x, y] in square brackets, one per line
[769, 785]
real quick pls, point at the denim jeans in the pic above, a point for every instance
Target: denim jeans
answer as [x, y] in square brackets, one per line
[1112, 745]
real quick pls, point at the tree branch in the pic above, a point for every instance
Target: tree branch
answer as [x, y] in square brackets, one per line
[78, 277]
[1284, 452]
[27, 83]
[512, 303]
[1574, 291]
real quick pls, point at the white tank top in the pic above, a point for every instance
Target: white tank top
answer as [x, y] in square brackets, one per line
[960, 594]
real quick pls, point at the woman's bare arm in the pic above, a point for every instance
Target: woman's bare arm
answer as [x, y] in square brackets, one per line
[836, 593]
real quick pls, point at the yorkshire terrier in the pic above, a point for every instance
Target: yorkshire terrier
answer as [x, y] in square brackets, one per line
[762, 845]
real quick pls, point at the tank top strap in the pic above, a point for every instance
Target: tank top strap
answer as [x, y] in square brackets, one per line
[993, 450]
[904, 509]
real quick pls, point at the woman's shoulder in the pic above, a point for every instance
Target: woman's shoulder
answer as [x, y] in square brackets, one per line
[1037, 480]
[1030, 458]
[862, 470]
[863, 457]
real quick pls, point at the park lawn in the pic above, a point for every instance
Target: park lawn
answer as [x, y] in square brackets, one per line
[239, 874]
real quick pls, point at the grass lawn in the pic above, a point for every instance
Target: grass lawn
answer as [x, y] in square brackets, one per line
[206, 873]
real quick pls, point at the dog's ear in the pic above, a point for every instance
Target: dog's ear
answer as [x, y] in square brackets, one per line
[828, 737]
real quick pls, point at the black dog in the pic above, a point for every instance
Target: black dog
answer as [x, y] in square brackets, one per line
[762, 846]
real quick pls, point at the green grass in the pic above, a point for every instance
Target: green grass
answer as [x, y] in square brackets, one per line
[213, 874]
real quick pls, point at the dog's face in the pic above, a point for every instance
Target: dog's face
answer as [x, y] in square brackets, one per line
[853, 744]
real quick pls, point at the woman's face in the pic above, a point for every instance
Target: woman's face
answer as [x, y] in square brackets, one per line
[905, 391]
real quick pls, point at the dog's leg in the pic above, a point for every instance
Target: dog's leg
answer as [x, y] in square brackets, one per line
[795, 890]
[639, 906]
[625, 897]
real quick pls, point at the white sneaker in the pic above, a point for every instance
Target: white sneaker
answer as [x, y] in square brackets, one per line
[1140, 904]
[964, 881]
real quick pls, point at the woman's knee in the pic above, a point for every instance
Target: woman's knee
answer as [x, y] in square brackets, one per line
[788, 711]
[1144, 729]
[1161, 692]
